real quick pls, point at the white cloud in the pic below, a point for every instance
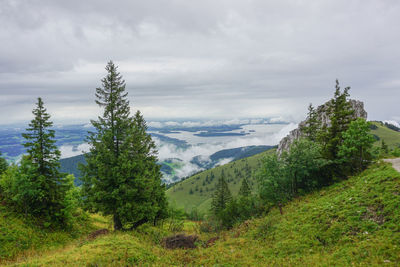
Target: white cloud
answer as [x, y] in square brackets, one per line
[395, 123]
[71, 151]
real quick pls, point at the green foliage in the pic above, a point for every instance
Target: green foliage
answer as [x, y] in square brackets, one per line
[244, 190]
[3, 164]
[274, 184]
[353, 222]
[195, 215]
[122, 177]
[175, 219]
[239, 210]
[340, 114]
[22, 235]
[221, 197]
[391, 137]
[384, 146]
[355, 150]
[36, 187]
[179, 193]
[297, 171]
[312, 124]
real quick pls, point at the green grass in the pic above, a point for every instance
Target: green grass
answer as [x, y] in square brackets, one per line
[21, 236]
[391, 137]
[352, 223]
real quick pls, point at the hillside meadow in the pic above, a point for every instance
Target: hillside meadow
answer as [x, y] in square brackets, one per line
[354, 222]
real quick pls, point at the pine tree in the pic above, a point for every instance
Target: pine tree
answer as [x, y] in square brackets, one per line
[44, 174]
[244, 190]
[221, 197]
[3, 164]
[121, 177]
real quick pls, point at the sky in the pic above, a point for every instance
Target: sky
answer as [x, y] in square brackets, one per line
[209, 59]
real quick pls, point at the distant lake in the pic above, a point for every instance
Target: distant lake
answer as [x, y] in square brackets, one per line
[268, 133]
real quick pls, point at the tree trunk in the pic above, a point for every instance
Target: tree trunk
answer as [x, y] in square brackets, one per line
[280, 208]
[117, 223]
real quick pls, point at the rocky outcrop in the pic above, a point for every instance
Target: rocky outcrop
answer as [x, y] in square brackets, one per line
[322, 114]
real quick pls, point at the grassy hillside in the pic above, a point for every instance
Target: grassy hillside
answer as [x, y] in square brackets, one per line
[354, 222]
[22, 236]
[196, 191]
[391, 137]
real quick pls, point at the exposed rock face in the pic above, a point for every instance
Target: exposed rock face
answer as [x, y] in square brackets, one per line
[284, 144]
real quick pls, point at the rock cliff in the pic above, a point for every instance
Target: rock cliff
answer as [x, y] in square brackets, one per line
[284, 144]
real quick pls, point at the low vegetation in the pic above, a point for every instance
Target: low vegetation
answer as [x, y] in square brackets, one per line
[353, 222]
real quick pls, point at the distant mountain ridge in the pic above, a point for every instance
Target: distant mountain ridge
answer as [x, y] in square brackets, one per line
[169, 166]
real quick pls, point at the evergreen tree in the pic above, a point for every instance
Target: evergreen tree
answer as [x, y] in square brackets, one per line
[144, 177]
[3, 164]
[341, 114]
[222, 196]
[43, 162]
[121, 177]
[384, 147]
[311, 125]
[244, 190]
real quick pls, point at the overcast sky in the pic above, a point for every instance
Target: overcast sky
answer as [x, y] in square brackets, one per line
[199, 59]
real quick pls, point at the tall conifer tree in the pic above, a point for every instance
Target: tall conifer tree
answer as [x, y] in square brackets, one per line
[221, 197]
[44, 174]
[341, 114]
[244, 190]
[121, 177]
[312, 124]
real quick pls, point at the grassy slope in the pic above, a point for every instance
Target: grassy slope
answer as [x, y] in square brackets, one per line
[179, 194]
[20, 236]
[391, 137]
[354, 222]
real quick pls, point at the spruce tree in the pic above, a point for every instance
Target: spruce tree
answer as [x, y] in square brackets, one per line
[384, 147]
[311, 125]
[121, 177]
[43, 173]
[341, 114]
[221, 197]
[3, 164]
[244, 190]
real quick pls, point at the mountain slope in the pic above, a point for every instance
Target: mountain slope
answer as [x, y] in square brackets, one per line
[391, 137]
[196, 191]
[352, 223]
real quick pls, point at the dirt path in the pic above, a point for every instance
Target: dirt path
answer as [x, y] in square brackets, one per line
[395, 163]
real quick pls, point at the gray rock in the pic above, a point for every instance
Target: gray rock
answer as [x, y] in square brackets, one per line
[284, 144]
